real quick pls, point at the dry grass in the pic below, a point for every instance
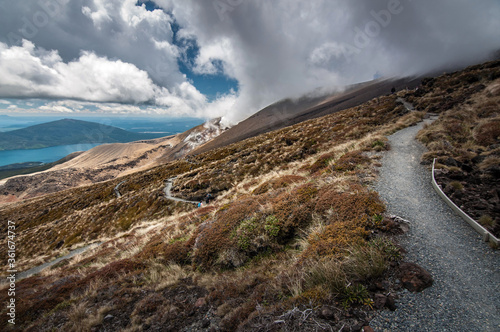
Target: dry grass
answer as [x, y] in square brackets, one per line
[489, 162]
[161, 276]
[81, 319]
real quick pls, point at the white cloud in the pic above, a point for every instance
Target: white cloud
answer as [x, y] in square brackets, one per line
[31, 72]
[56, 108]
[115, 52]
[322, 55]
[100, 16]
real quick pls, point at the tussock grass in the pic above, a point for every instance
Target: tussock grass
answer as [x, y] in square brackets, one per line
[161, 276]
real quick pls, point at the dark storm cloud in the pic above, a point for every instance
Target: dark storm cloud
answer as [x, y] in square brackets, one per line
[284, 48]
[426, 35]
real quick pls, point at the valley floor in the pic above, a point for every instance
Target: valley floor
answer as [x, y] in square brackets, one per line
[466, 272]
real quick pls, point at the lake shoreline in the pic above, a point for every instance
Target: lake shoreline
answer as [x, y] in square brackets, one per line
[43, 156]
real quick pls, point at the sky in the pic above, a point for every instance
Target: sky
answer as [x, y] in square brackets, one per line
[223, 58]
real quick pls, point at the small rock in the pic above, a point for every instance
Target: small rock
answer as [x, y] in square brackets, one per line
[414, 277]
[467, 168]
[390, 303]
[200, 302]
[357, 327]
[327, 313]
[205, 323]
[400, 225]
[379, 301]
[382, 285]
[367, 329]
[450, 162]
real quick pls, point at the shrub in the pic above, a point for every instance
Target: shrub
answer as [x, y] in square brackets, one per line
[348, 216]
[456, 185]
[245, 231]
[294, 210]
[486, 220]
[272, 226]
[115, 269]
[488, 132]
[380, 145]
[356, 204]
[213, 238]
[391, 252]
[321, 163]
[281, 182]
[355, 294]
[305, 193]
[177, 252]
[350, 160]
[334, 240]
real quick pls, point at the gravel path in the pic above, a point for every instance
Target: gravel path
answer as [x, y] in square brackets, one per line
[117, 189]
[406, 104]
[40, 268]
[466, 291]
[168, 193]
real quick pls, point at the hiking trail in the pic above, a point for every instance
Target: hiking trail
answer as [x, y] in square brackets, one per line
[466, 291]
[168, 193]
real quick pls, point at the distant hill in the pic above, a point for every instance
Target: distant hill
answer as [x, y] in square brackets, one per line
[66, 132]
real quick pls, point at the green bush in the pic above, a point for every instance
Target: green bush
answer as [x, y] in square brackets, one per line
[272, 226]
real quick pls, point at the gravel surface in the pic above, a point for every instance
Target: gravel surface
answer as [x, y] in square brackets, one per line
[40, 268]
[466, 291]
[168, 193]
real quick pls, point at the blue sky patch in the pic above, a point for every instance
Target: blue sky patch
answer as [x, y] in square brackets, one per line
[212, 86]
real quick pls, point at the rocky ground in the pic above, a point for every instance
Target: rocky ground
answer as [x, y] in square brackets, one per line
[475, 191]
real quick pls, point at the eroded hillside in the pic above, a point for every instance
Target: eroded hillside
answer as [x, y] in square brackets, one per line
[107, 162]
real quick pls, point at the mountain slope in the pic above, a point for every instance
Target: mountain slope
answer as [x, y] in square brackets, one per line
[288, 112]
[66, 132]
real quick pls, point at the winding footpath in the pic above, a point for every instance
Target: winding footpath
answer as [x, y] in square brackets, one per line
[406, 104]
[40, 268]
[117, 189]
[466, 291]
[168, 193]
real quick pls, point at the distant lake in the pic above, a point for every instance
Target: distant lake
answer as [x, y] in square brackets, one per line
[46, 155]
